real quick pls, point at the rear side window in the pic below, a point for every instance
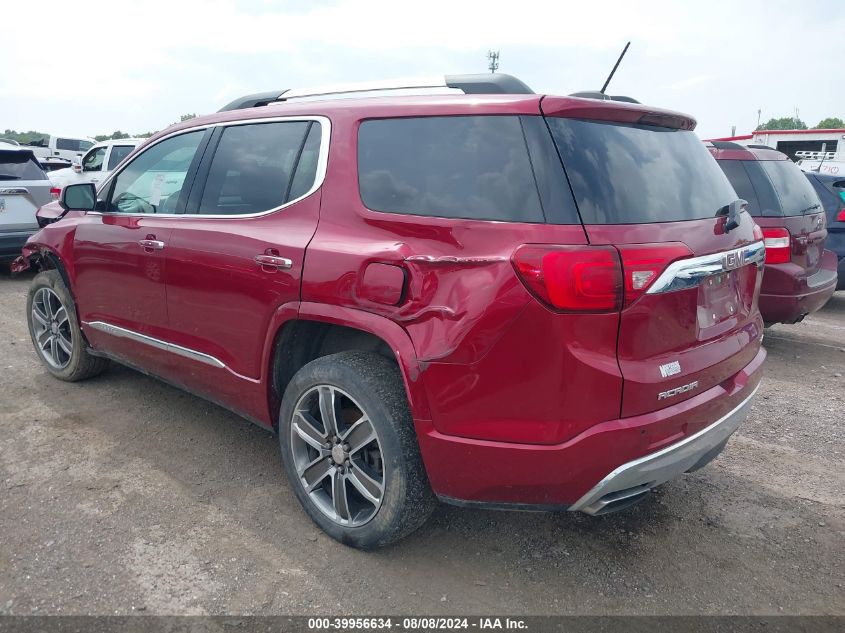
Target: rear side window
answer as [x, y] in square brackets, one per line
[118, 153]
[474, 167]
[632, 174]
[19, 166]
[795, 192]
[253, 167]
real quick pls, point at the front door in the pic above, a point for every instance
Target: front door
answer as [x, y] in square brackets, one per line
[120, 252]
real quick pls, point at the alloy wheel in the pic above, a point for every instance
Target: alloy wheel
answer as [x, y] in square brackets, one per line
[51, 328]
[337, 455]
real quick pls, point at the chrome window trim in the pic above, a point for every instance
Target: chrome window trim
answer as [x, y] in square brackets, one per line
[688, 273]
[319, 177]
[186, 352]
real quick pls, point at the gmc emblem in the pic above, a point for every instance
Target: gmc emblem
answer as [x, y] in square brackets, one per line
[732, 260]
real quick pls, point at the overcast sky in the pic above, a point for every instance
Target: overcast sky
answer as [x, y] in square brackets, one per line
[93, 67]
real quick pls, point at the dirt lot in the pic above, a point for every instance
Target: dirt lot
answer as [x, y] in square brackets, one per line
[122, 494]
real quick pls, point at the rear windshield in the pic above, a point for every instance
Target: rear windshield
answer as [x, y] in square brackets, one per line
[19, 166]
[456, 167]
[633, 174]
[796, 194]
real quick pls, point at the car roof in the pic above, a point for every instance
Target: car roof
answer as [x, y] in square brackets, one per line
[119, 141]
[8, 147]
[436, 105]
[826, 177]
[727, 150]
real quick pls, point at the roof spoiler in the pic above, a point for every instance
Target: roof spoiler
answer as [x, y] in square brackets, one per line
[495, 83]
[595, 94]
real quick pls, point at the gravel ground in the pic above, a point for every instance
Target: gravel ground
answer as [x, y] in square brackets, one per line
[123, 495]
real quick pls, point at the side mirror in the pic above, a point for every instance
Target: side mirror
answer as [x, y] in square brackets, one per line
[78, 197]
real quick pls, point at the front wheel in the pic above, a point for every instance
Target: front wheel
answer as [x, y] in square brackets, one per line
[54, 330]
[350, 450]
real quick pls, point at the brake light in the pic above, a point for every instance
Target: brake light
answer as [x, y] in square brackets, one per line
[572, 278]
[777, 243]
[840, 217]
[55, 192]
[643, 263]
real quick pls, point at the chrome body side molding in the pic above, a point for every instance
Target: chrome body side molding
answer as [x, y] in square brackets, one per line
[115, 330]
[687, 273]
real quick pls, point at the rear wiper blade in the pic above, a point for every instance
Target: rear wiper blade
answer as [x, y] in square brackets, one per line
[9, 177]
[732, 210]
[810, 208]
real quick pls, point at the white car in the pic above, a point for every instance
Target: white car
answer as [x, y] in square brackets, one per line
[97, 163]
[52, 149]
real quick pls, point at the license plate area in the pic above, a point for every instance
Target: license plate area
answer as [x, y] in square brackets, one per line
[721, 300]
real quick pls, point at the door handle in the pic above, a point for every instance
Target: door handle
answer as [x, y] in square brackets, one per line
[273, 261]
[153, 245]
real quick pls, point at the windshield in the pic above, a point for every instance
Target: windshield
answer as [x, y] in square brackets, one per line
[633, 174]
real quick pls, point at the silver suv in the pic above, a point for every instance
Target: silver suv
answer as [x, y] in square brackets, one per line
[23, 188]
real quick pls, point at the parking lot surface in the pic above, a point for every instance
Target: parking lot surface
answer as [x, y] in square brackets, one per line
[124, 495]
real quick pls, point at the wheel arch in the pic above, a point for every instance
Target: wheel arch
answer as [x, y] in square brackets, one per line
[300, 334]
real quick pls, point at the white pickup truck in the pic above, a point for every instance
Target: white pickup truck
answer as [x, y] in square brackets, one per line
[832, 163]
[59, 151]
[95, 165]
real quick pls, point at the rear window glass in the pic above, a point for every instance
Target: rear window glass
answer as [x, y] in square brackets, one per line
[738, 177]
[633, 174]
[19, 166]
[795, 192]
[474, 167]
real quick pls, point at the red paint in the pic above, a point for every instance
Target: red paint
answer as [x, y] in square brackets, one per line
[522, 346]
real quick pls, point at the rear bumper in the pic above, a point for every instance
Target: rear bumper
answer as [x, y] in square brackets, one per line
[611, 457]
[11, 243]
[630, 481]
[803, 297]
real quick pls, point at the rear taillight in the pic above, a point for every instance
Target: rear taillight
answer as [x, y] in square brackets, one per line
[643, 263]
[777, 245]
[593, 278]
[572, 278]
[55, 192]
[840, 217]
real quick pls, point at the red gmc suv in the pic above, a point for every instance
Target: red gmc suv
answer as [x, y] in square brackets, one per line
[800, 275]
[506, 300]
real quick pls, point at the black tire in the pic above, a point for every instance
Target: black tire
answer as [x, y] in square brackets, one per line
[80, 364]
[375, 384]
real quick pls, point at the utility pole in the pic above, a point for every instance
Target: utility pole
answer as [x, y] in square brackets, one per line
[759, 112]
[493, 57]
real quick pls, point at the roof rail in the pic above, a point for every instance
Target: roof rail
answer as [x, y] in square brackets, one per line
[596, 94]
[495, 83]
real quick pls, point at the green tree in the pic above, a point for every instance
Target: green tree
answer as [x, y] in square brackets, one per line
[187, 117]
[784, 123]
[24, 137]
[831, 122]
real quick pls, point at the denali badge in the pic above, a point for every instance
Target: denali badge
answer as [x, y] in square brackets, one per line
[670, 369]
[674, 392]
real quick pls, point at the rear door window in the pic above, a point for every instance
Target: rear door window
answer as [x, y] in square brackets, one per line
[253, 167]
[474, 167]
[118, 153]
[796, 194]
[19, 166]
[632, 174]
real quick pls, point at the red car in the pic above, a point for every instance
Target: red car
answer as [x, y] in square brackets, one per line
[800, 275]
[505, 300]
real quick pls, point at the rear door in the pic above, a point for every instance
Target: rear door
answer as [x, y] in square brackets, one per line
[690, 318]
[238, 255]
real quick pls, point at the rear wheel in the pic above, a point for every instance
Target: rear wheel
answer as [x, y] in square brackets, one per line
[55, 332]
[350, 450]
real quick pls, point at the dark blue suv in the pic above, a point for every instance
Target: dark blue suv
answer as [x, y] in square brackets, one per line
[831, 191]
